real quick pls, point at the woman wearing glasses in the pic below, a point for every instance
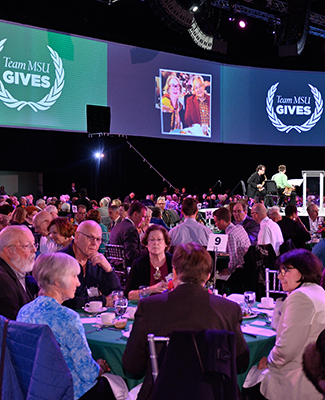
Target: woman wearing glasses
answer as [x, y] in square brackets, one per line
[151, 269]
[302, 319]
[172, 108]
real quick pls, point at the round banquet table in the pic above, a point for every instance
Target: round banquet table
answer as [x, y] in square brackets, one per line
[110, 345]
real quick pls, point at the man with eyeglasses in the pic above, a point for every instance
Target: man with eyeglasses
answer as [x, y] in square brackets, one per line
[17, 255]
[97, 277]
[241, 218]
[41, 222]
[197, 109]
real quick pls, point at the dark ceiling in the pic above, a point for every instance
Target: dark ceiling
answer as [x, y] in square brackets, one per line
[135, 22]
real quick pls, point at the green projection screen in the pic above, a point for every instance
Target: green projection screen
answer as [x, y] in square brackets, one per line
[48, 78]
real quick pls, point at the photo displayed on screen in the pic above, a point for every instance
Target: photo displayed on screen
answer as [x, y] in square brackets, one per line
[185, 103]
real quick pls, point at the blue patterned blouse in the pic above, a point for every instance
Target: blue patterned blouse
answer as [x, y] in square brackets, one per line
[69, 333]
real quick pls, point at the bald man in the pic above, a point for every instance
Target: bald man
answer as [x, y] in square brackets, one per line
[41, 222]
[270, 232]
[97, 277]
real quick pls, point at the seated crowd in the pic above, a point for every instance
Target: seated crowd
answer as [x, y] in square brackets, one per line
[53, 261]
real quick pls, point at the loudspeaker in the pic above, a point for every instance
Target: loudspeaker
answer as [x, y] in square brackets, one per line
[98, 119]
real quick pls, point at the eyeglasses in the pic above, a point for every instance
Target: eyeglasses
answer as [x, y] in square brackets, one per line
[158, 240]
[237, 211]
[38, 226]
[284, 270]
[29, 246]
[92, 239]
[175, 86]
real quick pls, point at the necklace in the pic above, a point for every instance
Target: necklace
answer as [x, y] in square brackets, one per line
[157, 274]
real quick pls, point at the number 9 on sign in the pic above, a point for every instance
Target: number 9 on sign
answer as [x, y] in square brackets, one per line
[217, 241]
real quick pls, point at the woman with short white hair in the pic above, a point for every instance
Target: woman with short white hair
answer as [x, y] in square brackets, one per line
[57, 277]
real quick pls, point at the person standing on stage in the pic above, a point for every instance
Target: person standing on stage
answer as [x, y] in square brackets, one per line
[255, 183]
[282, 183]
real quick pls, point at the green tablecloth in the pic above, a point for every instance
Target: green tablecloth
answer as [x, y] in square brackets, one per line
[109, 345]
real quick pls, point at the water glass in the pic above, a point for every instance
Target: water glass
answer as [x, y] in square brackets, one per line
[120, 306]
[144, 291]
[249, 298]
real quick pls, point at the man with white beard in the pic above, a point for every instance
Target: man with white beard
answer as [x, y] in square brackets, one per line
[17, 255]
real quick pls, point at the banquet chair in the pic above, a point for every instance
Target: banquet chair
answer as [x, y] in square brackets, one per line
[195, 365]
[115, 252]
[271, 197]
[32, 364]
[272, 283]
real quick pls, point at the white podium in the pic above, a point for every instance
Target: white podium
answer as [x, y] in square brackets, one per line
[313, 174]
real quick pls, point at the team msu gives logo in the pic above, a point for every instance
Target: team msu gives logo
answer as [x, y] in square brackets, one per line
[12, 75]
[296, 105]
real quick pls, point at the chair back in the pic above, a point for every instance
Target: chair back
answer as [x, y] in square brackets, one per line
[272, 283]
[270, 187]
[152, 339]
[197, 365]
[33, 363]
[116, 252]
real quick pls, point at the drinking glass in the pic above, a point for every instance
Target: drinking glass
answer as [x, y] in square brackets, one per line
[116, 294]
[120, 306]
[144, 291]
[249, 298]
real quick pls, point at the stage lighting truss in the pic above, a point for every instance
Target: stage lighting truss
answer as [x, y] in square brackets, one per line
[276, 5]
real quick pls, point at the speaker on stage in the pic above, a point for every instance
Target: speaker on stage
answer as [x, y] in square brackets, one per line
[98, 119]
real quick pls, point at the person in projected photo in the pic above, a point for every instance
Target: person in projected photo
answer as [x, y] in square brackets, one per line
[198, 106]
[172, 108]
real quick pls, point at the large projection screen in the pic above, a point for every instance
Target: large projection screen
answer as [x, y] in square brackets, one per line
[47, 78]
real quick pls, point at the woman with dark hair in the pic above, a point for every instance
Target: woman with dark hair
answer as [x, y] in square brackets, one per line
[61, 231]
[302, 319]
[18, 216]
[151, 269]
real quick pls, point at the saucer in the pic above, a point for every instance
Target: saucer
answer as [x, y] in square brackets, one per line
[87, 309]
[266, 308]
[248, 316]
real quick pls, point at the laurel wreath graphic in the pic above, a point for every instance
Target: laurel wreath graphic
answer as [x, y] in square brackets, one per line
[310, 123]
[46, 101]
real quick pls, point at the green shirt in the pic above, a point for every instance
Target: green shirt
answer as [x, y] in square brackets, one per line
[281, 180]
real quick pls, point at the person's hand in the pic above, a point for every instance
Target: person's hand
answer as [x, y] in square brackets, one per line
[109, 301]
[263, 363]
[224, 272]
[98, 258]
[104, 367]
[158, 287]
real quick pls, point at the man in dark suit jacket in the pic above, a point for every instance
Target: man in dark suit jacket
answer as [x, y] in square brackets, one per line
[292, 227]
[17, 255]
[114, 214]
[254, 180]
[241, 218]
[188, 307]
[125, 233]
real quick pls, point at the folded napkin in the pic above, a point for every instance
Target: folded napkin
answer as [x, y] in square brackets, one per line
[236, 297]
[258, 331]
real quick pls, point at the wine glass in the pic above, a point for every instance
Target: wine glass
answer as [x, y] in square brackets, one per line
[120, 305]
[144, 291]
[249, 298]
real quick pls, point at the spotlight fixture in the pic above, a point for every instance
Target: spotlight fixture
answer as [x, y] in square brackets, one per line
[242, 24]
[99, 155]
[194, 8]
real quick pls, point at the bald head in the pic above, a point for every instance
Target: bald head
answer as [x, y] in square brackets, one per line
[258, 212]
[41, 222]
[88, 237]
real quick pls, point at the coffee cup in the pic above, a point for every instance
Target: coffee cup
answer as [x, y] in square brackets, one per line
[105, 318]
[267, 302]
[131, 311]
[94, 306]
